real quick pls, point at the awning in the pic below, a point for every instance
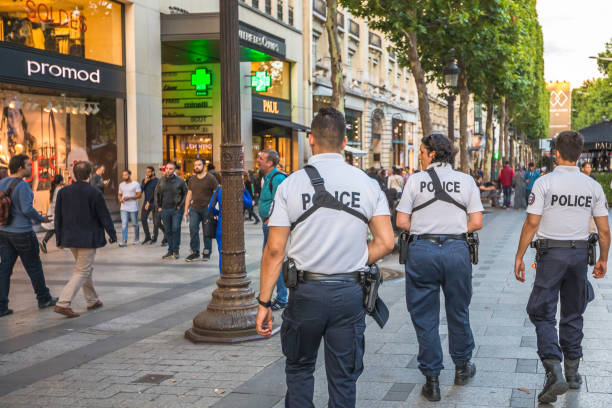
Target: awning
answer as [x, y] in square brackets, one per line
[355, 152]
[598, 137]
[283, 123]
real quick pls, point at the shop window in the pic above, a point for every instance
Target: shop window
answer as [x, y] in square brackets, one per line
[89, 29]
[58, 129]
[271, 78]
[398, 141]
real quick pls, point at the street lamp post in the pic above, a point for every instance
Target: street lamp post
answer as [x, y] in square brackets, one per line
[230, 315]
[451, 75]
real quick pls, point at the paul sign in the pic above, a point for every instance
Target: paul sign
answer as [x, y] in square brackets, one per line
[36, 68]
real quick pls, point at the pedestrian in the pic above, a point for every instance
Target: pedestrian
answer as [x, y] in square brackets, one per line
[129, 194]
[531, 175]
[438, 257]
[200, 189]
[560, 205]
[518, 181]
[248, 185]
[396, 181]
[488, 190]
[505, 178]
[330, 248]
[97, 178]
[170, 196]
[216, 207]
[56, 185]
[587, 169]
[267, 161]
[81, 217]
[147, 186]
[17, 238]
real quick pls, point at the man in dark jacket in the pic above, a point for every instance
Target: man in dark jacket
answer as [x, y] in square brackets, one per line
[147, 186]
[81, 217]
[170, 197]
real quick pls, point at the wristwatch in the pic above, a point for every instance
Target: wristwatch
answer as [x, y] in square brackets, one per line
[267, 304]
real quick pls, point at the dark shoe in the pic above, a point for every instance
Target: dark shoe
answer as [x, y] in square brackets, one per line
[205, 258]
[555, 382]
[153, 241]
[572, 376]
[6, 312]
[96, 305]
[278, 305]
[164, 242]
[175, 255]
[256, 221]
[194, 256]
[464, 374]
[43, 246]
[168, 255]
[51, 302]
[431, 389]
[146, 241]
[66, 311]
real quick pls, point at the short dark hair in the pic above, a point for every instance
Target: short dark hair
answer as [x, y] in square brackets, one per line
[531, 164]
[18, 162]
[569, 144]
[128, 171]
[329, 128]
[272, 155]
[583, 165]
[506, 163]
[151, 168]
[437, 142]
[82, 170]
[99, 166]
[199, 159]
[172, 163]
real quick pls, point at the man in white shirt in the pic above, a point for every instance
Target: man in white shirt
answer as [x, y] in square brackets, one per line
[129, 193]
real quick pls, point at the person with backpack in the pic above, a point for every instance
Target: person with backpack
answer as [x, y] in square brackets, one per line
[267, 160]
[17, 238]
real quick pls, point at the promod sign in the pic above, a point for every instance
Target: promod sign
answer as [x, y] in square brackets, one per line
[62, 71]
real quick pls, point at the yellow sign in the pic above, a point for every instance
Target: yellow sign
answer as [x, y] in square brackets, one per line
[270, 107]
[560, 107]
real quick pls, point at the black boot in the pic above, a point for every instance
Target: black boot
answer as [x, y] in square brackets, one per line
[464, 374]
[572, 376]
[431, 389]
[555, 383]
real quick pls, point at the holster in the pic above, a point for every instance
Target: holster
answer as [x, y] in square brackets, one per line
[540, 247]
[593, 238]
[375, 307]
[290, 273]
[473, 242]
[404, 242]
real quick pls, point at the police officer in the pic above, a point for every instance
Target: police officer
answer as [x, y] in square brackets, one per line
[438, 257]
[329, 247]
[560, 206]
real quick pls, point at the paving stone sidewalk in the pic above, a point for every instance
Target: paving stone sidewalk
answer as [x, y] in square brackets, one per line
[132, 353]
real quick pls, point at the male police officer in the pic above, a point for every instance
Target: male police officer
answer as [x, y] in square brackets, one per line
[560, 206]
[329, 247]
[438, 256]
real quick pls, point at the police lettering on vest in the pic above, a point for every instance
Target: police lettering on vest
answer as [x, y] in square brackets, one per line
[347, 198]
[448, 186]
[566, 199]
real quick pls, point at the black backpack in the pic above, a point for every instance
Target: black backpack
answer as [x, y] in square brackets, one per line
[278, 173]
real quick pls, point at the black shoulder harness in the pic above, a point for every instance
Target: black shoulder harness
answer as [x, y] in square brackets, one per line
[439, 193]
[323, 199]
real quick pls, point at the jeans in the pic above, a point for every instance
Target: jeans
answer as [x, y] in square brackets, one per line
[133, 217]
[507, 194]
[281, 289]
[81, 277]
[196, 218]
[25, 246]
[144, 219]
[334, 312]
[172, 222]
[429, 267]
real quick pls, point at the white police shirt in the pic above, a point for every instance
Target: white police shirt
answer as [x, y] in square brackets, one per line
[329, 241]
[440, 217]
[566, 199]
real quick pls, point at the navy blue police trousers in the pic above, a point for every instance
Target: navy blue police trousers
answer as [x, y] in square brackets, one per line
[560, 271]
[334, 312]
[429, 267]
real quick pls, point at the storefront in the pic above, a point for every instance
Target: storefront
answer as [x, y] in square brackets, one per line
[62, 89]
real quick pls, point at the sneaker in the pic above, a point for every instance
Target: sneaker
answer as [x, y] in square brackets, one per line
[137, 242]
[175, 255]
[123, 244]
[194, 256]
[6, 312]
[168, 255]
[205, 258]
[278, 305]
[43, 246]
[51, 302]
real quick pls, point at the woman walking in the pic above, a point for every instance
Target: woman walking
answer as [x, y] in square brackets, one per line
[56, 185]
[520, 192]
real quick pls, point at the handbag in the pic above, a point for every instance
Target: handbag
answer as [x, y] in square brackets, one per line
[210, 223]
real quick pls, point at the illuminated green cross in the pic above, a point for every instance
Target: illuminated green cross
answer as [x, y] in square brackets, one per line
[202, 80]
[261, 81]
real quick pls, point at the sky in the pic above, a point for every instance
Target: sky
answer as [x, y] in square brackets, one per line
[573, 31]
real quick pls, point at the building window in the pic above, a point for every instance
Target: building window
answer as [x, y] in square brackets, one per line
[340, 20]
[375, 40]
[256, 4]
[320, 7]
[279, 9]
[290, 16]
[354, 28]
[269, 7]
[315, 40]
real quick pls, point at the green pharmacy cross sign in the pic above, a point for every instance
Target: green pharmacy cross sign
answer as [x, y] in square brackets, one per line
[202, 80]
[261, 81]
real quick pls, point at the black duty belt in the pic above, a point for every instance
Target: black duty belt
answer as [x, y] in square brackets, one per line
[442, 237]
[553, 243]
[336, 277]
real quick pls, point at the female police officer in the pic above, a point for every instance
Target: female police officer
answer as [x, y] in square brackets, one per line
[438, 256]
[325, 210]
